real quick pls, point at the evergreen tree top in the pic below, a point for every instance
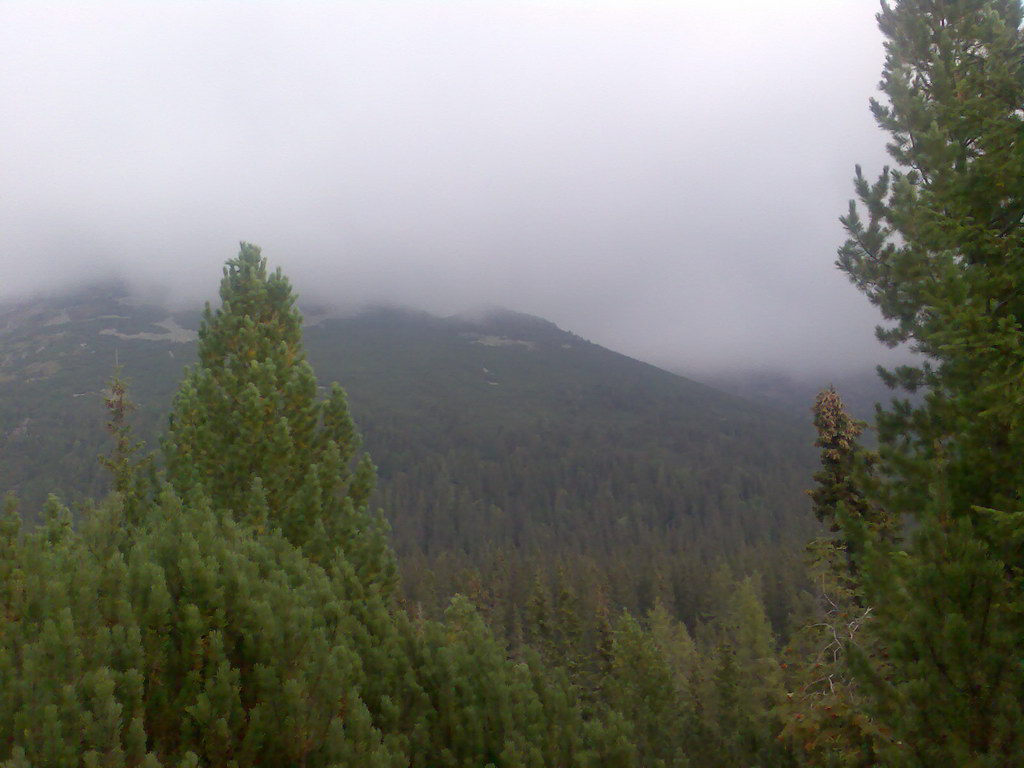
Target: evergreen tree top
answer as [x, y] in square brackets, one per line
[249, 433]
[258, 317]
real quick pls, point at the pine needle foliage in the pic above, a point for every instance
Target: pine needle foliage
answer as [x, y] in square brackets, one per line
[937, 243]
[249, 432]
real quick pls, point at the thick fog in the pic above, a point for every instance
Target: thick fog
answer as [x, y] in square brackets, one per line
[663, 178]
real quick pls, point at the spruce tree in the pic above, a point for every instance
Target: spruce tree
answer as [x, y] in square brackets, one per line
[840, 456]
[823, 713]
[937, 243]
[249, 433]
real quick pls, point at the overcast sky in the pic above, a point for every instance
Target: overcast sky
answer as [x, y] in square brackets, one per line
[662, 178]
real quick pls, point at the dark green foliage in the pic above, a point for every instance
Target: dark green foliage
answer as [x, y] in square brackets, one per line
[190, 629]
[642, 689]
[942, 255]
[948, 617]
[565, 455]
[745, 686]
[248, 433]
[939, 253]
[194, 634]
[189, 635]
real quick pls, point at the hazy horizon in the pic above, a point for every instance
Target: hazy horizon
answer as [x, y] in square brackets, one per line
[664, 180]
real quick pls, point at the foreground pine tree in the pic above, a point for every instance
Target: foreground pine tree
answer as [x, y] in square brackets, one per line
[941, 253]
[249, 433]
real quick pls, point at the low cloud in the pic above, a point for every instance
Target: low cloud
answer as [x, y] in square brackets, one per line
[664, 179]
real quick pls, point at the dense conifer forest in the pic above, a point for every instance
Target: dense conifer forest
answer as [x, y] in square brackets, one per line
[251, 586]
[504, 446]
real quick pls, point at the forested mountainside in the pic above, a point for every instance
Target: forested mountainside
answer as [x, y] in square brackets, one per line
[241, 604]
[505, 446]
[625, 541]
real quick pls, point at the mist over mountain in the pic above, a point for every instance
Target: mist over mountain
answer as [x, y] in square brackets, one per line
[794, 393]
[632, 171]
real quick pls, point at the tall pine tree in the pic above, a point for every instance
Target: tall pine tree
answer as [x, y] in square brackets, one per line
[249, 433]
[941, 253]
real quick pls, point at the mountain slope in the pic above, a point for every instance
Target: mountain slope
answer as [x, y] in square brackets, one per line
[502, 441]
